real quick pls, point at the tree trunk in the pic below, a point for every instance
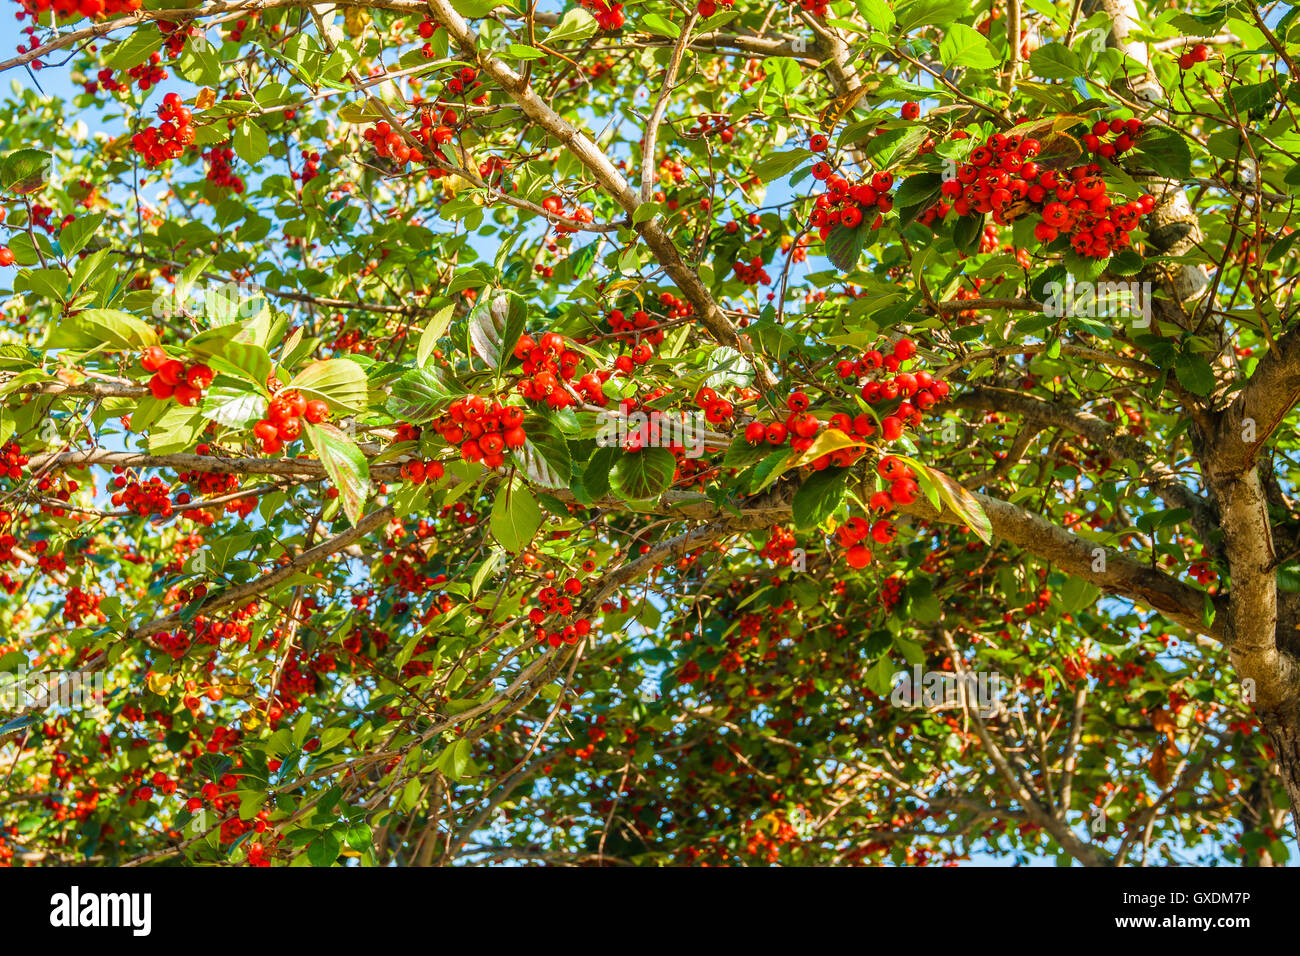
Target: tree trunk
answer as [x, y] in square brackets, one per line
[1283, 728]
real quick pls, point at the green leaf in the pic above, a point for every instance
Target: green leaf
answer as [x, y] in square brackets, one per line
[359, 836]
[964, 504]
[1194, 373]
[340, 382]
[516, 517]
[495, 325]
[880, 679]
[240, 359]
[177, 429]
[233, 407]
[458, 762]
[1055, 61]
[436, 328]
[844, 246]
[1167, 152]
[577, 24]
[775, 165]
[894, 146]
[324, 850]
[818, 498]
[420, 395]
[595, 475]
[26, 168]
[921, 12]
[95, 328]
[77, 233]
[345, 464]
[1253, 96]
[643, 474]
[918, 189]
[135, 49]
[250, 142]
[966, 233]
[1077, 595]
[654, 23]
[544, 457]
[877, 13]
[965, 46]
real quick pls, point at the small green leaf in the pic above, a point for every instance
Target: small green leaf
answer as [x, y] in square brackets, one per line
[345, 464]
[340, 382]
[965, 46]
[495, 325]
[419, 395]
[1194, 373]
[516, 517]
[647, 473]
[818, 498]
[435, 330]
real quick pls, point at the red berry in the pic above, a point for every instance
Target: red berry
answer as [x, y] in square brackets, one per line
[153, 358]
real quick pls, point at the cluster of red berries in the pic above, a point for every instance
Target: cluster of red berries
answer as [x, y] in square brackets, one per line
[642, 325]
[173, 379]
[220, 162]
[1095, 225]
[157, 144]
[853, 532]
[466, 79]
[847, 205]
[798, 427]
[608, 15]
[390, 144]
[483, 432]
[79, 605]
[555, 206]
[1003, 179]
[147, 74]
[310, 167]
[919, 390]
[64, 492]
[12, 460]
[417, 472]
[1197, 54]
[716, 408]
[285, 414]
[236, 33]
[1125, 132]
[106, 80]
[74, 9]
[427, 29]
[715, 124]
[211, 484]
[891, 592]
[547, 364]
[752, 272]
[557, 602]
[147, 498]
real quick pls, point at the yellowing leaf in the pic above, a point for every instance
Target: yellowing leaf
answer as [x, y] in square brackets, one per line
[840, 107]
[963, 503]
[159, 683]
[828, 442]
